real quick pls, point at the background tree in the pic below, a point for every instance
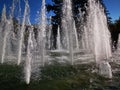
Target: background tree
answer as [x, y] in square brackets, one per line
[115, 30]
[56, 8]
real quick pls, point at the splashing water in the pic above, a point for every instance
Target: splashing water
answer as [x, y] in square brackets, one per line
[98, 33]
[75, 35]
[42, 32]
[49, 34]
[58, 39]
[21, 33]
[4, 26]
[68, 26]
[29, 56]
[95, 36]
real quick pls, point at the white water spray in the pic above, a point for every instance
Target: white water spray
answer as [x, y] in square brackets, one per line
[21, 34]
[100, 35]
[42, 32]
[4, 26]
[68, 26]
[58, 39]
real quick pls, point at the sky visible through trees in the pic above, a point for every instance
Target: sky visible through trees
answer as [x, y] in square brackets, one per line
[113, 7]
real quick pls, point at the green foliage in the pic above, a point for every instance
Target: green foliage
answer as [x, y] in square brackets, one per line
[77, 77]
[114, 28]
[10, 76]
[117, 24]
[58, 71]
[58, 77]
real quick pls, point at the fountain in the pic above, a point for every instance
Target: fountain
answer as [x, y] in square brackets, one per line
[99, 36]
[76, 36]
[42, 32]
[68, 26]
[98, 33]
[58, 39]
[94, 44]
[9, 39]
[29, 54]
[30, 46]
[22, 35]
[28, 59]
[49, 34]
[3, 30]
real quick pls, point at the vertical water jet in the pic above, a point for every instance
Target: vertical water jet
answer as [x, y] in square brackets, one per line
[99, 36]
[21, 33]
[5, 33]
[58, 39]
[76, 36]
[67, 24]
[97, 26]
[42, 33]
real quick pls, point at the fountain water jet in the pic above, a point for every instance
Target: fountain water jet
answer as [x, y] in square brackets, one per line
[49, 34]
[68, 26]
[58, 39]
[99, 36]
[95, 38]
[21, 34]
[29, 56]
[42, 32]
[30, 46]
[4, 26]
[28, 60]
[98, 31]
[76, 35]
